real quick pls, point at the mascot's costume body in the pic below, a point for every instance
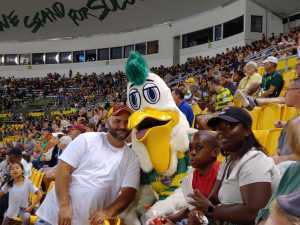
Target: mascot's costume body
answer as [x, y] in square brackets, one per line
[160, 137]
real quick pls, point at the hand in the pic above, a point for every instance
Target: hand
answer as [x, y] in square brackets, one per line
[196, 217]
[99, 217]
[200, 201]
[278, 159]
[161, 221]
[65, 215]
[280, 124]
[29, 209]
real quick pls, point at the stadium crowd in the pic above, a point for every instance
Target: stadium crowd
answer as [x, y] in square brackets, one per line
[249, 187]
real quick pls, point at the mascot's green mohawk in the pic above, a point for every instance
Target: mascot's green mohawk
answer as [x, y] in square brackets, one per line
[136, 69]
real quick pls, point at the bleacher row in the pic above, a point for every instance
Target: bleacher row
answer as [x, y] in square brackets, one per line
[264, 119]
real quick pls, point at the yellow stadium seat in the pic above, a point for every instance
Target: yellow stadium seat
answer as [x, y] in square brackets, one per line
[281, 64]
[196, 109]
[287, 77]
[269, 115]
[261, 136]
[272, 141]
[288, 113]
[255, 113]
[292, 62]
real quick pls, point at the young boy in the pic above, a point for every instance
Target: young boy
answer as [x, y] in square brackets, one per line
[203, 154]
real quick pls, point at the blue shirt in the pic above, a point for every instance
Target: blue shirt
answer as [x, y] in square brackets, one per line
[186, 109]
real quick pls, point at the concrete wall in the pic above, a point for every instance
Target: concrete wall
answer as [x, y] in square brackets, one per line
[164, 33]
[271, 22]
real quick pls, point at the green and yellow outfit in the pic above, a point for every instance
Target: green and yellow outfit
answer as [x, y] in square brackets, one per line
[223, 98]
[164, 186]
[275, 79]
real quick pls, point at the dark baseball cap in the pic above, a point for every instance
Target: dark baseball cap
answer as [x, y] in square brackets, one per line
[290, 203]
[232, 115]
[15, 151]
[49, 129]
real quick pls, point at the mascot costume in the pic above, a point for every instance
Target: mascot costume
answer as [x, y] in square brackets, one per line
[160, 138]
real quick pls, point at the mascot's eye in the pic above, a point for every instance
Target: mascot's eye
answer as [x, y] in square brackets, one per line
[151, 93]
[134, 99]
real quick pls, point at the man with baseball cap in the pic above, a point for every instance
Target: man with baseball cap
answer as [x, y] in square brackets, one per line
[97, 176]
[272, 81]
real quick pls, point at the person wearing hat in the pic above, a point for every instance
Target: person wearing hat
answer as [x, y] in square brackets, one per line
[76, 130]
[285, 210]
[251, 82]
[272, 81]
[246, 178]
[291, 99]
[97, 176]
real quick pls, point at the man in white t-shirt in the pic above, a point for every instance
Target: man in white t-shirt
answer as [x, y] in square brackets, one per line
[97, 177]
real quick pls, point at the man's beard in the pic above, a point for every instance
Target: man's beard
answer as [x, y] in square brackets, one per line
[119, 134]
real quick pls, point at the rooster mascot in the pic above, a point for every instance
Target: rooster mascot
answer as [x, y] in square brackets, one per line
[160, 138]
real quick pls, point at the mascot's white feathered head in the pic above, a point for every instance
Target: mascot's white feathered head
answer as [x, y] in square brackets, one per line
[160, 130]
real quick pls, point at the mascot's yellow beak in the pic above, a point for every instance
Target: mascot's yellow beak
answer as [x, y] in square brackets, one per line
[153, 129]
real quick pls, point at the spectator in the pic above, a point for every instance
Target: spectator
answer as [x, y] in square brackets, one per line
[184, 107]
[251, 82]
[272, 81]
[203, 153]
[50, 171]
[292, 99]
[225, 81]
[83, 171]
[246, 178]
[290, 181]
[285, 210]
[19, 187]
[47, 146]
[203, 91]
[14, 156]
[3, 152]
[76, 130]
[222, 96]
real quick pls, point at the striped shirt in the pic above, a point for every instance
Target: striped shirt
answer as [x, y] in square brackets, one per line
[223, 98]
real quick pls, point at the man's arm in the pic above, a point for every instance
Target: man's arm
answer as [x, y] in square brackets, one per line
[126, 196]
[268, 92]
[282, 158]
[62, 183]
[265, 101]
[252, 88]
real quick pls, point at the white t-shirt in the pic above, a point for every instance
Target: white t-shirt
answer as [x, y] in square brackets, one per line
[101, 170]
[18, 197]
[253, 167]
